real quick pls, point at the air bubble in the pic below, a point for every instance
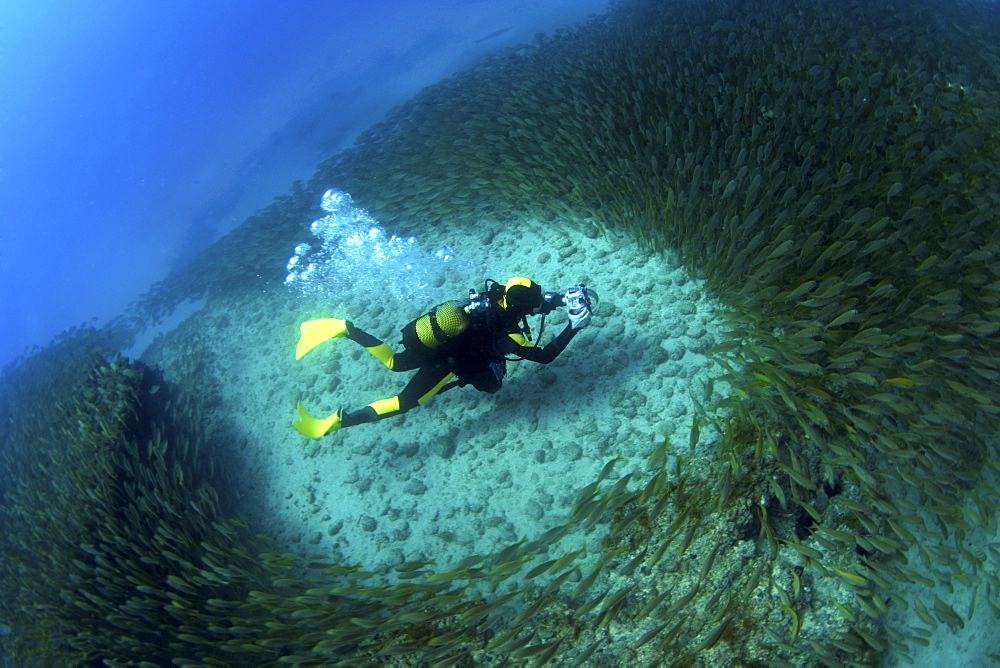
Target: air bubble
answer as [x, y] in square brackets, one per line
[354, 252]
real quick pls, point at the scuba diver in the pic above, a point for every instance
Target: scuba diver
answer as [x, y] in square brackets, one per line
[457, 343]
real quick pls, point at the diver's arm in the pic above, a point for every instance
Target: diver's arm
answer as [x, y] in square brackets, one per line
[516, 344]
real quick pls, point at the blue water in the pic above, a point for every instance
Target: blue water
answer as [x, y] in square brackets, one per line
[134, 133]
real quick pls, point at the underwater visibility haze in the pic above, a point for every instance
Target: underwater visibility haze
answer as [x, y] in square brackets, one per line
[134, 134]
[774, 445]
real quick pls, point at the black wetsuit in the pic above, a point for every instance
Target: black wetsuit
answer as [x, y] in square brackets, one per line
[477, 358]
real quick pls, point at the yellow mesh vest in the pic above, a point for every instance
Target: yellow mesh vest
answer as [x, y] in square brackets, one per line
[442, 324]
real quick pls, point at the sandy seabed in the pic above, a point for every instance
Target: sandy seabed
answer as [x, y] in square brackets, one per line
[467, 472]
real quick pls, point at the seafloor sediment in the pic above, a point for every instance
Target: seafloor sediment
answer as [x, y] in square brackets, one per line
[467, 472]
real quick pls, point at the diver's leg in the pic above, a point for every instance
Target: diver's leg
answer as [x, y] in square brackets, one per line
[421, 387]
[379, 350]
[404, 361]
[428, 381]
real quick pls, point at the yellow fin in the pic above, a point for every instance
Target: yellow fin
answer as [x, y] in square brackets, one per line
[315, 332]
[312, 427]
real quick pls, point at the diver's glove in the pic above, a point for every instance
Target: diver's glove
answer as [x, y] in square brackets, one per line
[579, 319]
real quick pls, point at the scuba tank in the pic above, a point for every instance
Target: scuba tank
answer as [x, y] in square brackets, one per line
[436, 328]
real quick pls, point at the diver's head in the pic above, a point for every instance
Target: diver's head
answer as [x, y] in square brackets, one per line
[522, 296]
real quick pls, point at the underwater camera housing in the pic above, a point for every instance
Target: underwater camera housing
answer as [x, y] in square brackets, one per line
[576, 299]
